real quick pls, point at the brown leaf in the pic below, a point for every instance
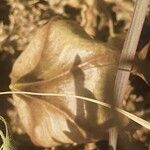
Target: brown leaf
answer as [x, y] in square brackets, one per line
[62, 58]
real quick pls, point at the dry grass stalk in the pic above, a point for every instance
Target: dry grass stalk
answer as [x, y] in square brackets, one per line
[128, 53]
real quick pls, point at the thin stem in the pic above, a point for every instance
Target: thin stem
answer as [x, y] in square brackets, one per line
[56, 94]
[1, 148]
[6, 128]
[3, 139]
[138, 120]
[2, 136]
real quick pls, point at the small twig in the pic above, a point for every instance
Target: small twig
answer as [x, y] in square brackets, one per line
[128, 53]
